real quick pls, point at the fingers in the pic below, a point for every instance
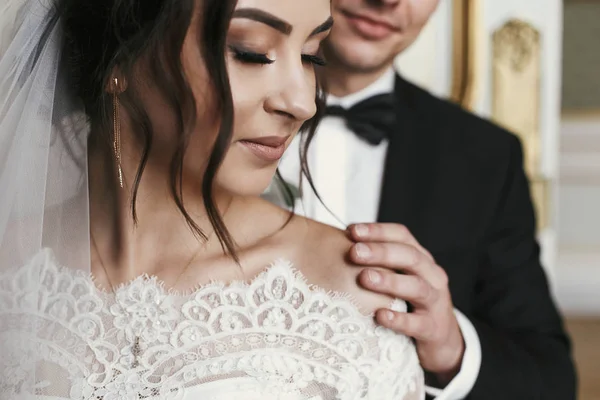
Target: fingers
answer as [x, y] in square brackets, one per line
[417, 326]
[389, 255]
[401, 258]
[407, 287]
[396, 256]
[382, 232]
[385, 232]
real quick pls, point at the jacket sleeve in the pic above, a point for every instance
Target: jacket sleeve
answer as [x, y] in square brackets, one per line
[526, 353]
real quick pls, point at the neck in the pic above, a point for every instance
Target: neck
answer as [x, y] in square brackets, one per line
[127, 248]
[341, 81]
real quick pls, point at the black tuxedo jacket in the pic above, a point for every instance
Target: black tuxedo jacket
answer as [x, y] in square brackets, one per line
[457, 182]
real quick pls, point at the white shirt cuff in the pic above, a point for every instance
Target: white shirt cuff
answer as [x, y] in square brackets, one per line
[463, 382]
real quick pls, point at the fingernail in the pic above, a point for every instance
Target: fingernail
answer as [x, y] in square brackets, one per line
[362, 251]
[374, 277]
[361, 230]
[389, 315]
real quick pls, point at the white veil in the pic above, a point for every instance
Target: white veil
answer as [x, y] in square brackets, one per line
[43, 183]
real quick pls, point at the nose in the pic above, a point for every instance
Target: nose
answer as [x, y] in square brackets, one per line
[294, 94]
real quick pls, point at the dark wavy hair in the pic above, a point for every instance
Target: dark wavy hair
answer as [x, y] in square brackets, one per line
[101, 35]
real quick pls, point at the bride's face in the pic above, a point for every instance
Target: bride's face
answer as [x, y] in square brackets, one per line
[273, 51]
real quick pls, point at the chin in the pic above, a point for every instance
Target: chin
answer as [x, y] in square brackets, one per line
[357, 54]
[245, 181]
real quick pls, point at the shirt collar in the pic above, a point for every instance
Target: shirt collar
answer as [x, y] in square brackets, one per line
[385, 84]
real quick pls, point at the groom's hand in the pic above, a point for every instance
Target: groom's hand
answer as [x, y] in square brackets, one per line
[421, 282]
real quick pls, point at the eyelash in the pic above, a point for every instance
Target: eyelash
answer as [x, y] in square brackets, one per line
[262, 59]
[316, 60]
[250, 57]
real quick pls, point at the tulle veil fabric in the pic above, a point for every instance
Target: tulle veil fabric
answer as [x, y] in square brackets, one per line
[43, 181]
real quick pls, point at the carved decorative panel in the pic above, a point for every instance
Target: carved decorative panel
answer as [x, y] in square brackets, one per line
[516, 98]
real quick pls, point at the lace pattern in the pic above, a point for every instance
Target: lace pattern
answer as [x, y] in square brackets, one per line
[274, 338]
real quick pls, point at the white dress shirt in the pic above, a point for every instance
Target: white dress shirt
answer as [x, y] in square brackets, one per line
[347, 173]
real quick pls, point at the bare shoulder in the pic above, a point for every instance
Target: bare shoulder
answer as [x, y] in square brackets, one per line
[321, 256]
[317, 250]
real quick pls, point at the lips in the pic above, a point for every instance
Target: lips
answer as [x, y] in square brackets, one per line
[269, 148]
[369, 28]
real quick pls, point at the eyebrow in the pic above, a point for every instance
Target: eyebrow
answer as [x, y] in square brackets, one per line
[264, 17]
[325, 26]
[276, 23]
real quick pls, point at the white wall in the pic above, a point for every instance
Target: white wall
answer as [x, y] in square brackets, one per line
[578, 266]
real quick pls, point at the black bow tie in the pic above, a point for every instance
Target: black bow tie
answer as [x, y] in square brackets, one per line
[372, 119]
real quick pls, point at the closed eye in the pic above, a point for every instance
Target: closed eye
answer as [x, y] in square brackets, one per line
[313, 59]
[250, 57]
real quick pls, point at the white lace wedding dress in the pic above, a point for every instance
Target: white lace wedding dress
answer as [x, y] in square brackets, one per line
[274, 338]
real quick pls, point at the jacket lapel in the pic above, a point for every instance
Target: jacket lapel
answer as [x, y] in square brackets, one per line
[409, 165]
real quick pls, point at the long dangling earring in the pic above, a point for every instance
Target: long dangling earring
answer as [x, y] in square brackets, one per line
[117, 130]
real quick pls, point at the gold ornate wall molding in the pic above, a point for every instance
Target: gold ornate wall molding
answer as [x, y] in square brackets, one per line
[516, 83]
[516, 95]
[465, 22]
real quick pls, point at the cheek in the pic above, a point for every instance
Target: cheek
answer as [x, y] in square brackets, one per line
[249, 87]
[421, 10]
